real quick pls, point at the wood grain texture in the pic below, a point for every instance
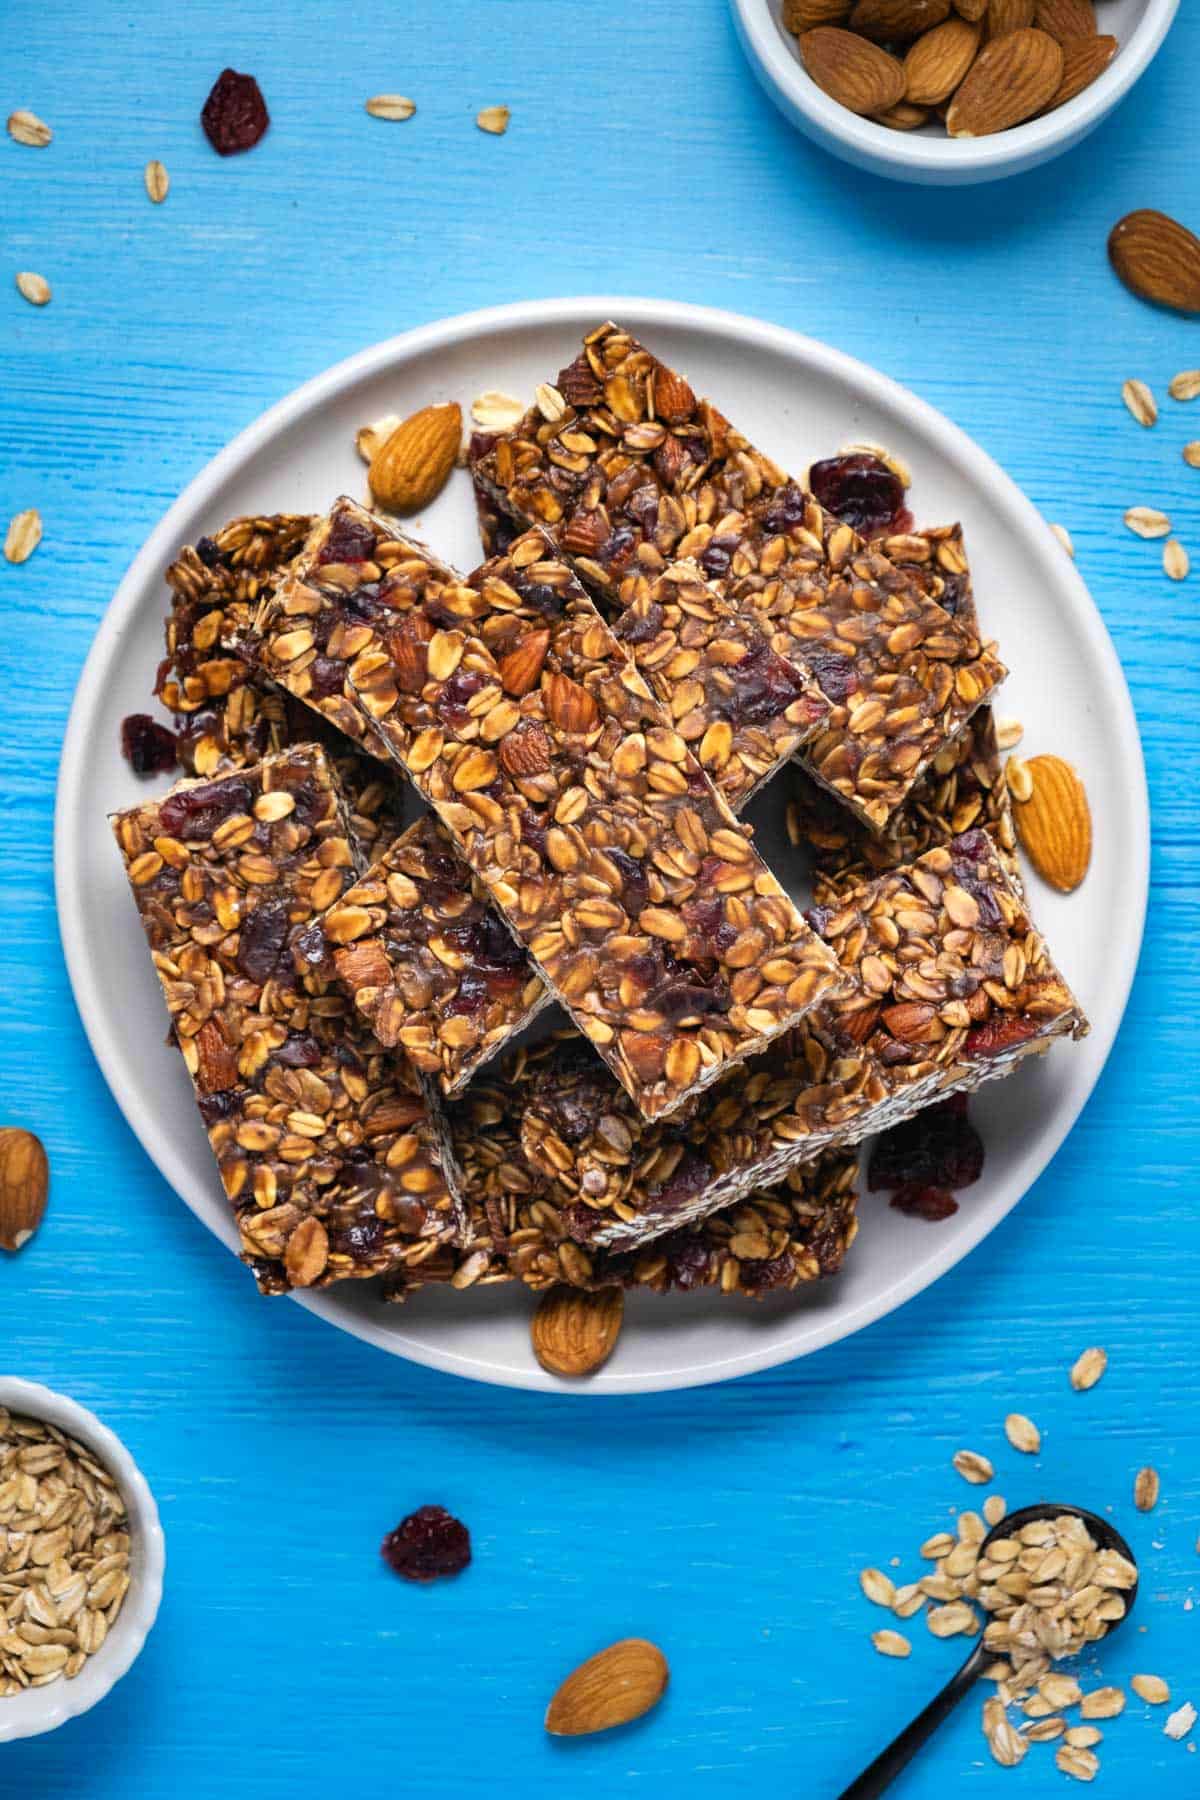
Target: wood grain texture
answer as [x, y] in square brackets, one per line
[727, 1526]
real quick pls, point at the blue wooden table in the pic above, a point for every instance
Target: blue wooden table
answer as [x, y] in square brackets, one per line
[727, 1525]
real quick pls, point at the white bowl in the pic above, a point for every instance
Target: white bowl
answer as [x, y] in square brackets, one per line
[41, 1709]
[929, 156]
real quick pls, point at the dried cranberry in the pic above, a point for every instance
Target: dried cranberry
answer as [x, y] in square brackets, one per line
[763, 686]
[834, 673]
[196, 812]
[209, 552]
[715, 559]
[539, 594]
[786, 510]
[999, 1033]
[533, 833]
[690, 1177]
[938, 1148]
[680, 1000]
[760, 1273]
[350, 540]
[148, 747]
[640, 626]
[462, 686]
[214, 1107]
[327, 676]
[921, 1202]
[261, 940]
[635, 888]
[861, 491]
[617, 551]
[429, 1543]
[688, 1259]
[311, 944]
[301, 1051]
[235, 114]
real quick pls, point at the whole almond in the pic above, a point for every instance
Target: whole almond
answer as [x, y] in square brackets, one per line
[610, 1688]
[804, 15]
[1084, 59]
[851, 70]
[904, 116]
[895, 21]
[1004, 16]
[574, 1331]
[938, 62]
[1066, 19]
[1055, 823]
[414, 463]
[24, 1186]
[1158, 259]
[1012, 78]
[970, 9]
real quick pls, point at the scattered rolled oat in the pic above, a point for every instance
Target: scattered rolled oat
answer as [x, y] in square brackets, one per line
[1009, 733]
[391, 106]
[937, 1546]
[1059, 1691]
[908, 1600]
[1102, 1703]
[969, 1464]
[1064, 538]
[1044, 1732]
[1022, 1434]
[1147, 521]
[1082, 1764]
[956, 1619]
[23, 536]
[878, 1587]
[1005, 1744]
[1191, 454]
[1145, 1490]
[1084, 1737]
[494, 119]
[158, 182]
[495, 411]
[1088, 1368]
[1140, 401]
[1176, 560]
[64, 1554]
[1181, 1721]
[34, 288]
[27, 128]
[1185, 385]
[994, 1508]
[1151, 1688]
[891, 1643]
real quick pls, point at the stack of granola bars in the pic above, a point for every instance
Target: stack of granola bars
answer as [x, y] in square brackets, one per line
[664, 622]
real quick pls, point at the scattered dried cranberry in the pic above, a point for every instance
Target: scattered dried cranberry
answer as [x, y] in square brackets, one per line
[940, 1148]
[148, 747]
[861, 491]
[920, 1202]
[235, 114]
[429, 1543]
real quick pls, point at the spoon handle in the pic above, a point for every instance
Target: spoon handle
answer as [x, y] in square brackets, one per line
[900, 1752]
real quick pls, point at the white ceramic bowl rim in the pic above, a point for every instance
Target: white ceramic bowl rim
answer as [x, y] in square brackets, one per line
[767, 39]
[442, 335]
[42, 1709]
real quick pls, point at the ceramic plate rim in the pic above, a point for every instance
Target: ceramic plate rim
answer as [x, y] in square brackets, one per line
[644, 314]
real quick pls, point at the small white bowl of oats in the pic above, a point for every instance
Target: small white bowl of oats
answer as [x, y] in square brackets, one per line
[81, 1559]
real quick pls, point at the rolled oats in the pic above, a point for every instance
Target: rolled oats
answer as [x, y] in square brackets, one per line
[1088, 1368]
[1022, 1434]
[1145, 1490]
[891, 1643]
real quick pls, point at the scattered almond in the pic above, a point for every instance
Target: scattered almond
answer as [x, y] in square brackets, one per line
[493, 119]
[495, 411]
[1140, 401]
[27, 128]
[610, 1688]
[973, 1467]
[1084, 59]
[1054, 823]
[24, 1186]
[1145, 1490]
[1185, 385]
[391, 106]
[23, 536]
[1151, 1688]
[1147, 522]
[852, 70]
[574, 1331]
[413, 465]
[891, 1643]
[939, 60]
[1088, 1368]
[1064, 538]
[34, 288]
[1157, 258]
[1012, 78]
[1176, 560]
[158, 182]
[1022, 1434]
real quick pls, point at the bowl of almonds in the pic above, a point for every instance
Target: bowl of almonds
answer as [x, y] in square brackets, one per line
[944, 92]
[81, 1559]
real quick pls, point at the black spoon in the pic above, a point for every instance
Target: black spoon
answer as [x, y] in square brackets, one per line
[900, 1752]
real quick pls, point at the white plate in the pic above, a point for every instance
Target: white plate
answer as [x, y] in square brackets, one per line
[798, 400]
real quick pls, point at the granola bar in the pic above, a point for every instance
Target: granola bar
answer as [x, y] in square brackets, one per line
[428, 963]
[329, 1152]
[965, 785]
[517, 715]
[773, 1241]
[955, 986]
[629, 471]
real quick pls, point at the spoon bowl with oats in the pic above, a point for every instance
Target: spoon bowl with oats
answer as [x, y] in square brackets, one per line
[1052, 1580]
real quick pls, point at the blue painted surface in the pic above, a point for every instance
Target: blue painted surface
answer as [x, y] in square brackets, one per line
[727, 1525]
